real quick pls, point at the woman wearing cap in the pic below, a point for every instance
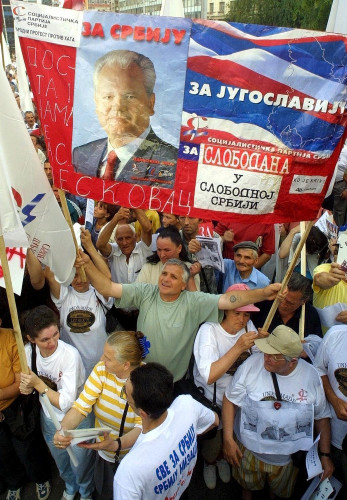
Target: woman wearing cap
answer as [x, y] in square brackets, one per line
[219, 349]
[102, 392]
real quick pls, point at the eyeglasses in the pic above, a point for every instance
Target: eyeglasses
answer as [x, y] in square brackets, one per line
[123, 393]
[275, 358]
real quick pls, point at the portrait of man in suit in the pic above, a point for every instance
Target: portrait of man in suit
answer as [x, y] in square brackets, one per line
[124, 101]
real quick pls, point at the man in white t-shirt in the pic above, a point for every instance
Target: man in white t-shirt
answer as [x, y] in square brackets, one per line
[331, 364]
[126, 256]
[263, 446]
[162, 460]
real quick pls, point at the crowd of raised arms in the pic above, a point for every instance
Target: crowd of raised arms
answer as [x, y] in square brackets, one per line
[170, 359]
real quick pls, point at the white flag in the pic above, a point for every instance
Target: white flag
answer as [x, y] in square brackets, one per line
[337, 22]
[172, 8]
[26, 193]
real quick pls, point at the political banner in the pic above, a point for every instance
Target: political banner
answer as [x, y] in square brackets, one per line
[193, 117]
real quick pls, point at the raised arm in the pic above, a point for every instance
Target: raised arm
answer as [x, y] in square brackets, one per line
[37, 277]
[328, 280]
[103, 285]
[53, 284]
[287, 242]
[222, 365]
[146, 226]
[102, 243]
[237, 298]
[98, 260]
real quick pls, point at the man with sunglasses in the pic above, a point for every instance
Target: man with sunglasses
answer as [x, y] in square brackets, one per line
[270, 404]
[162, 460]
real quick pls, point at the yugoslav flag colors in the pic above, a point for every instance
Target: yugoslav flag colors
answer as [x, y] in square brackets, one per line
[29, 212]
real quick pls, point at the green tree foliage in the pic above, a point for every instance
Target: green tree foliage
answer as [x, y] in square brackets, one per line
[308, 14]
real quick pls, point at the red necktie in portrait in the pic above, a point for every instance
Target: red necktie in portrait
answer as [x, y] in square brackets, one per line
[110, 169]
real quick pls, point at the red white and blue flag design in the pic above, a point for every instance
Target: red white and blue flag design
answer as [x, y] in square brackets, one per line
[262, 109]
[236, 73]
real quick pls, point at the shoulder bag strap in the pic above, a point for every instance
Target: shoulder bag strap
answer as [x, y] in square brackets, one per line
[277, 389]
[214, 393]
[103, 307]
[121, 429]
[33, 358]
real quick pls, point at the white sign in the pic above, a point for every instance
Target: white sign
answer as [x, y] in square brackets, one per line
[49, 24]
[303, 184]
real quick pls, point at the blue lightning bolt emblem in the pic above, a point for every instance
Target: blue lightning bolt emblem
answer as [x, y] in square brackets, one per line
[29, 208]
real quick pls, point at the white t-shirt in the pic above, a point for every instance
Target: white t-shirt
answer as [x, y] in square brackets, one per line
[211, 343]
[161, 462]
[302, 385]
[82, 322]
[63, 371]
[331, 360]
[123, 272]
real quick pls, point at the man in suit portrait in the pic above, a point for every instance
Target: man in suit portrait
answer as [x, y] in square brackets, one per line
[124, 102]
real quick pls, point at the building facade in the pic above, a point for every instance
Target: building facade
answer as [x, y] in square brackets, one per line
[192, 8]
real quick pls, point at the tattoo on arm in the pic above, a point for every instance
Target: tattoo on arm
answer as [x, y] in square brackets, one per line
[232, 298]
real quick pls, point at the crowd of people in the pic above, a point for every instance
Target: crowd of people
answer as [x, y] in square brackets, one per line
[121, 350]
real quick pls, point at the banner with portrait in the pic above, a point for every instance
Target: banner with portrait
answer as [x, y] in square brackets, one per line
[194, 117]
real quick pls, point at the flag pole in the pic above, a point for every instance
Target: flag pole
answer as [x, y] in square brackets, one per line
[288, 275]
[303, 272]
[13, 308]
[69, 222]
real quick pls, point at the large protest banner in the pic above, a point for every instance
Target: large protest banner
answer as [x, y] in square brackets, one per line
[239, 119]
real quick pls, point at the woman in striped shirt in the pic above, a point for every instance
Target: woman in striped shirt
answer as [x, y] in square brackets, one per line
[123, 352]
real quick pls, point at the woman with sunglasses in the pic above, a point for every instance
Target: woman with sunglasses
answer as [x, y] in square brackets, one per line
[103, 392]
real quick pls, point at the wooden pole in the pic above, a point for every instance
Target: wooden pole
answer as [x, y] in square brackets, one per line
[68, 220]
[12, 306]
[303, 272]
[287, 275]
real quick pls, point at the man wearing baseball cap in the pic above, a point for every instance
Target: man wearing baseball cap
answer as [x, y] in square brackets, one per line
[298, 382]
[243, 268]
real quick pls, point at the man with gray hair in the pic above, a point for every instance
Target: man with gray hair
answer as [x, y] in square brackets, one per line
[271, 404]
[124, 102]
[169, 315]
[243, 268]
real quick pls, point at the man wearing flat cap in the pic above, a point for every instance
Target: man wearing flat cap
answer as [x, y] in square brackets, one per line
[243, 268]
[270, 404]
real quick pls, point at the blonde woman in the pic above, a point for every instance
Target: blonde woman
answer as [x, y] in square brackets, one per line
[123, 352]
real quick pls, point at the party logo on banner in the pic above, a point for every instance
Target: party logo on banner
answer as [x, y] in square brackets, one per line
[192, 117]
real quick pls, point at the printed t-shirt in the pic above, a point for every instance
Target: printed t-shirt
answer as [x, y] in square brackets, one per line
[302, 385]
[161, 462]
[83, 321]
